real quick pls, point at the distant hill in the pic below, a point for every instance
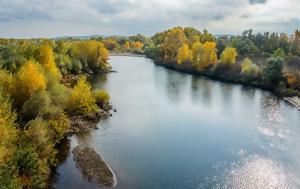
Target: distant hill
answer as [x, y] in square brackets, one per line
[79, 37]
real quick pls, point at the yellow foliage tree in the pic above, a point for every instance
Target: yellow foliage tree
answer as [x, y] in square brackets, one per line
[138, 45]
[127, 45]
[249, 69]
[59, 123]
[204, 54]
[210, 53]
[102, 58]
[7, 128]
[198, 53]
[228, 56]
[291, 80]
[6, 81]
[46, 58]
[81, 100]
[184, 54]
[174, 40]
[246, 64]
[29, 79]
[91, 54]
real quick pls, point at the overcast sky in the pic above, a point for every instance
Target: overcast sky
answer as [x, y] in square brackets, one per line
[52, 18]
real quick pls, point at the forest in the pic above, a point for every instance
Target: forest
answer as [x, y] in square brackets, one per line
[266, 60]
[270, 60]
[44, 84]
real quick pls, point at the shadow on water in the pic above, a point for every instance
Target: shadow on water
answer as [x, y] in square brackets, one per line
[63, 153]
[201, 90]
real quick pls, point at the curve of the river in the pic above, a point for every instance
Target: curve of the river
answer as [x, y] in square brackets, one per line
[174, 130]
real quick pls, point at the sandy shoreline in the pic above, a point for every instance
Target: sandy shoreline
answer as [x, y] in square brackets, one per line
[294, 101]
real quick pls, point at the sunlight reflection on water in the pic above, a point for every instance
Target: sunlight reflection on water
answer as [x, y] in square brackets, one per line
[257, 172]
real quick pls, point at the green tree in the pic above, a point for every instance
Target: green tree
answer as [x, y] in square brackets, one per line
[272, 73]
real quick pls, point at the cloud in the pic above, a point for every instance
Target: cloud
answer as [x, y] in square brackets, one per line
[34, 18]
[253, 2]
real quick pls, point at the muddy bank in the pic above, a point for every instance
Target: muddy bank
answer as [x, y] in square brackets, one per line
[93, 167]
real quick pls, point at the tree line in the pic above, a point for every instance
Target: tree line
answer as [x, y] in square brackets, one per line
[232, 58]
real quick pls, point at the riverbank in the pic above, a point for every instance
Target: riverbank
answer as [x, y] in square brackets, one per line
[126, 54]
[295, 101]
[228, 77]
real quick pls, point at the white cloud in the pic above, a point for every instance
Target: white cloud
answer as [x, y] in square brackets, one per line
[34, 18]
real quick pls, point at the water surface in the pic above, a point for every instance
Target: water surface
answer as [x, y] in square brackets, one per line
[174, 131]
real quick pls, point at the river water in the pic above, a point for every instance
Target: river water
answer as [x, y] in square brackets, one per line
[178, 131]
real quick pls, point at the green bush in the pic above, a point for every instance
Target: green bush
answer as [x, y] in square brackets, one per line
[35, 105]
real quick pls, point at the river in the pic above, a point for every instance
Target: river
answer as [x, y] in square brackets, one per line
[174, 131]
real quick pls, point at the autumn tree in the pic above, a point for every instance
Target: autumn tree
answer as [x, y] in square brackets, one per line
[92, 55]
[126, 45]
[29, 79]
[204, 54]
[210, 53]
[138, 45]
[7, 128]
[175, 39]
[250, 71]
[228, 56]
[81, 100]
[6, 81]
[184, 54]
[198, 53]
[46, 59]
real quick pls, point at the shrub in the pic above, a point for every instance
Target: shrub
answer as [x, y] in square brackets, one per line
[58, 123]
[81, 100]
[102, 97]
[38, 136]
[35, 105]
[250, 71]
[279, 53]
[59, 95]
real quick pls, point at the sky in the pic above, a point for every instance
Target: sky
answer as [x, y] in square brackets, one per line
[54, 18]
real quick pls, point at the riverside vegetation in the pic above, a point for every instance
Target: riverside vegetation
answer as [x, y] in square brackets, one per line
[44, 92]
[269, 61]
[266, 60]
